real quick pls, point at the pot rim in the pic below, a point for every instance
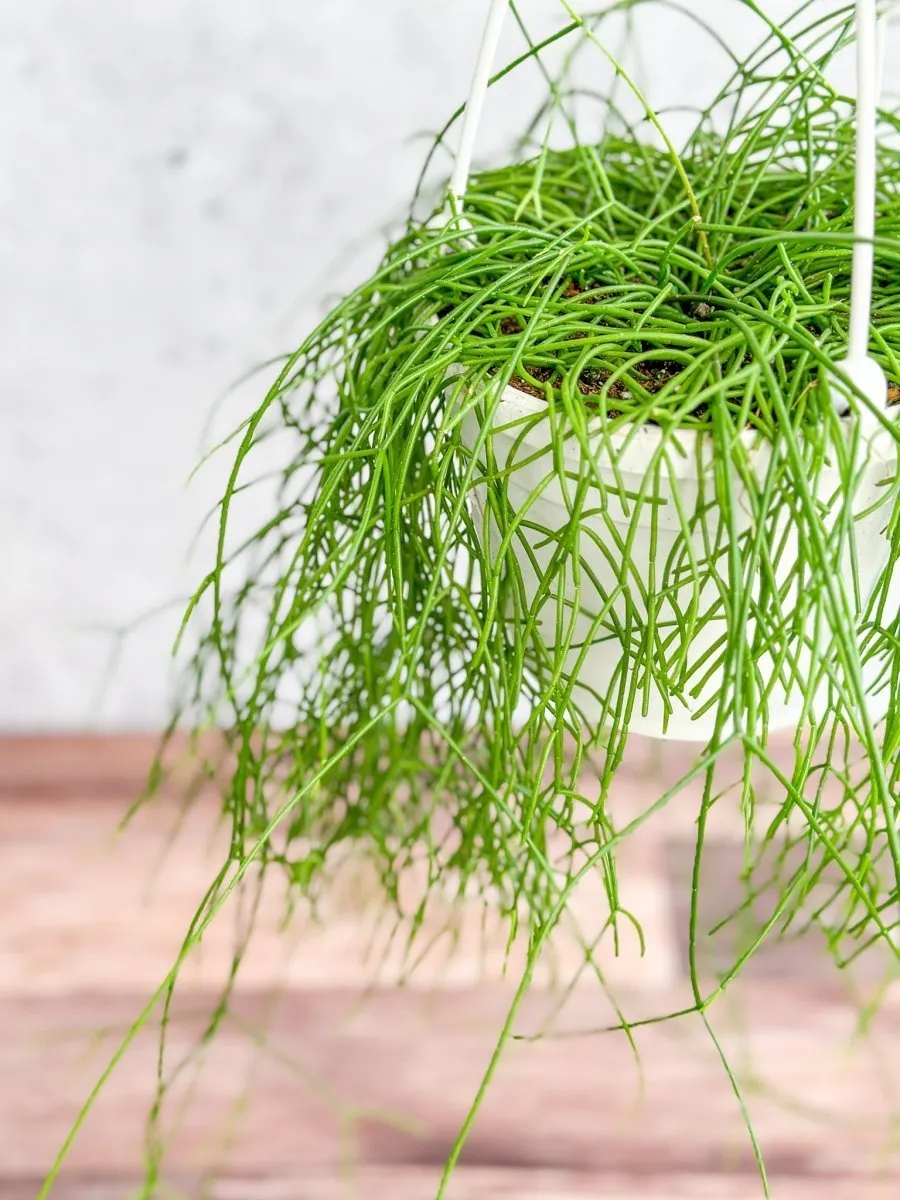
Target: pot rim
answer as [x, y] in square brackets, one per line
[635, 445]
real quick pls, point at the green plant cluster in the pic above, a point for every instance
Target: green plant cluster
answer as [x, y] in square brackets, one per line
[628, 284]
[374, 654]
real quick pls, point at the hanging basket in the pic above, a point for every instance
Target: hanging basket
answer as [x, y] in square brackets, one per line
[656, 494]
[635, 615]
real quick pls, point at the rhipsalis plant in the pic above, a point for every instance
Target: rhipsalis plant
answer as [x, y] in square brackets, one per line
[579, 461]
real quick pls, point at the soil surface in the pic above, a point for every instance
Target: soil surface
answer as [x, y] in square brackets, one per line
[652, 375]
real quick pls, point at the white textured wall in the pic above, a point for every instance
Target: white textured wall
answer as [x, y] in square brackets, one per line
[177, 178]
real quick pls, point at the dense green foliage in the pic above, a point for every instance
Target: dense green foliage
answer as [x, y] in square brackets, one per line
[382, 668]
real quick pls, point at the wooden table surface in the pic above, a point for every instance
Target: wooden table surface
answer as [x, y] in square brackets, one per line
[326, 1080]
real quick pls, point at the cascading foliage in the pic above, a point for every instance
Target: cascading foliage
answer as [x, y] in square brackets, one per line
[376, 660]
[390, 654]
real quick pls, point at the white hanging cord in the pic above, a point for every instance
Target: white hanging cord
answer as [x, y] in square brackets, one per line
[864, 373]
[859, 367]
[867, 72]
[487, 52]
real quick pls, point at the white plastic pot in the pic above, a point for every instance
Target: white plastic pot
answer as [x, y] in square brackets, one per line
[675, 474]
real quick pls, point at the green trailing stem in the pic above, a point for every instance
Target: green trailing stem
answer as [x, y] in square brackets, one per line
[375, 655]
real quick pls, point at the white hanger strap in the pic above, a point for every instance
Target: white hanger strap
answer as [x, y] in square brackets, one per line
[487, 52]
[866, 173]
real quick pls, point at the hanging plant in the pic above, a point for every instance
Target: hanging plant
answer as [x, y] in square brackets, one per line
[592, 453]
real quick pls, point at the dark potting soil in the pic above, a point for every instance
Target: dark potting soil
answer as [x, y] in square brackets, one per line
[652, 379]
[652, 375]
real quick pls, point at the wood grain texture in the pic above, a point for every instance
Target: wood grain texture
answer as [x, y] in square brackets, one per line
[413, 1183]
[398, 1068]
[314, 1069]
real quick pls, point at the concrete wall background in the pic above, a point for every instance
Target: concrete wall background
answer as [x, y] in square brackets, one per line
[177, 179]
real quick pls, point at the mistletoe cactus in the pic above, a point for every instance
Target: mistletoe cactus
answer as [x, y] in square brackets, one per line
[582, 460]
